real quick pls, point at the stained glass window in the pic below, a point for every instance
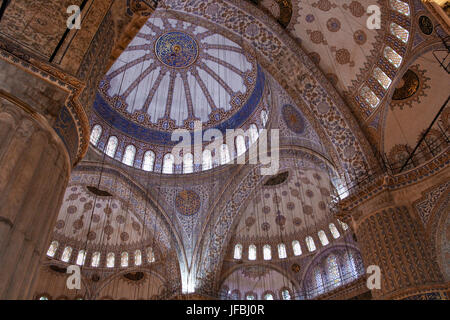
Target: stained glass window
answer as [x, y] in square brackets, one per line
[268, 296]
[128, 156]
[296, 248]
[149, 161]
[343, 225]
[250, 296]
[124, 259]
[137, 258]
[264, 118]
[110, 260]
[111, 147]
[310, 244]
[188, 163]
[400, 6]
[319, 288]
[253, 133]
[240, 145]
[238, 251]
[370, 97]
[334, 276]
[168, 163]
[401, 33]
[81, 257]
[206, 160]
[267, 252]
[150, 255]
[52, 249]
[282, 251]
[323, 238]
[43, 298]
[382, 78]
[95, 134]
[351, 265]
[66, 254]
[235, 295]
[224, 154]
[252, 252]
[334, 231]
[285, 294]
[392, 56]
[95, 260]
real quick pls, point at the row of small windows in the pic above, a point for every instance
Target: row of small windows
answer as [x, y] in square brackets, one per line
[390, 54]
[296, 247]
[169, 160]
[96, 256]
[285, 294]
[331, 274]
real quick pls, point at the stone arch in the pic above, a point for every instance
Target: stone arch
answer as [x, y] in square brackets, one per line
[168, 239]
[226, 213]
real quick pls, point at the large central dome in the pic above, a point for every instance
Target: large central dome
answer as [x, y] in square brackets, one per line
[174, 73]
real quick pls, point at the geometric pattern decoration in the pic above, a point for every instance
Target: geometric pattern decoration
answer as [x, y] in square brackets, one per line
[187, 202]
[293, 118]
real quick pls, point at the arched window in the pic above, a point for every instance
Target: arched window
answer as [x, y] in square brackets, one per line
[250, 296]
[319, 288]
[252, 252]
[282, 251]
[264, 118]
[188, 163]
[124, 259]
[43, 298]
[382, 78]
[168, 163]
[310, 244]
[401, 33]
[400, 6]
[149, 161]
[240, 145]
[267, 252]
[128, 156]
[253, 133]
[285, 294]
[66, 254]
[52, 249]
[81, 257]
[268, 296]
[235, 295]
[370, 97]
[333, 274]
[224, 154]
[150, 255]
[206, 160]
[111, 147]
[95, 260]
[96, 134]
[110, 259]
[351, 265]
[392, 56]
[323, 238]
[334, 231]
[137, 258]
[343, 225]
[238, 251]
[296, 248]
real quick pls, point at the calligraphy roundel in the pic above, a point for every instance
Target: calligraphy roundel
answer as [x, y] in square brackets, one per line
[187, 202]
[176, 49]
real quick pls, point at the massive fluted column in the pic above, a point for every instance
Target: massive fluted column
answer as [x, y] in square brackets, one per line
[391, 236]
[34, 172]
[393, 240]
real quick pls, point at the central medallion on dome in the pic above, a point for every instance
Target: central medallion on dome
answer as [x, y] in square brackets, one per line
[176, 49]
